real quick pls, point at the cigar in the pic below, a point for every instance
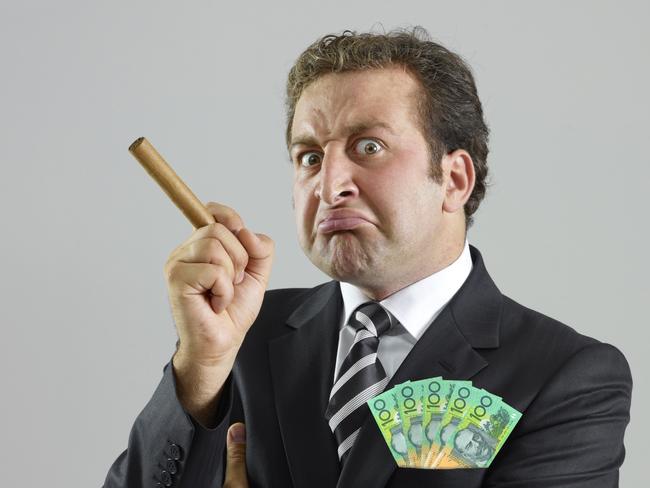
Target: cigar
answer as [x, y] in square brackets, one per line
[172, 185]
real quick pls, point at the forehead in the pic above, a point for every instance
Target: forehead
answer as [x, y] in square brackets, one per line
[356, 98]
[465, 434]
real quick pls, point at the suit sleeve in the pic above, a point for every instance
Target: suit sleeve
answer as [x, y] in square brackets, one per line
[571, 434]
[167, 447]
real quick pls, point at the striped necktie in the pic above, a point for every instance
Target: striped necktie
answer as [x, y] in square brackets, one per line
[360, 378]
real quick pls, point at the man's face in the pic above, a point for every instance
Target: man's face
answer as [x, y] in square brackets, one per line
[357, 145]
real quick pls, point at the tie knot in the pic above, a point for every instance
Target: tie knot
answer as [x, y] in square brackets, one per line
[371, 316]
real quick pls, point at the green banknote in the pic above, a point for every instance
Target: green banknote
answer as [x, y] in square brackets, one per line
[437, 419]
[442, 424]
[409, 403]
[480, 434]
[435, 393]
[462, 397]
[386, 413]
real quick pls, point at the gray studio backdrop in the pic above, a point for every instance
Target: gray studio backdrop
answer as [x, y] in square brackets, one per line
[86, 325]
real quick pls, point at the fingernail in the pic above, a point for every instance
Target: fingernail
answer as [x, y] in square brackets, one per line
[238, 434]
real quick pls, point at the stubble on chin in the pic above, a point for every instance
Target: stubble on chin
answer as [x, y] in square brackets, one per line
[343, 257]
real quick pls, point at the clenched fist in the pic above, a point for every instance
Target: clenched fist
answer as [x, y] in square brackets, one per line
[216, 281]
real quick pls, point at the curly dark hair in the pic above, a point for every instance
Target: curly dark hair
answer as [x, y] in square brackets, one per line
[449, 108]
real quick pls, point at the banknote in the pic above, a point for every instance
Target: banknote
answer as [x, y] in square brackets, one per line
[386, 414]
[409, 403]
[442, 422]
[436, 423]
[480, 434]
[433, 399]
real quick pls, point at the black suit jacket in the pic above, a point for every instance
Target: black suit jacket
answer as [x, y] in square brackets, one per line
[574, 393]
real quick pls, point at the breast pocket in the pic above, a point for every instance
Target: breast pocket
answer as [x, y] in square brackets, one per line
[438, 478]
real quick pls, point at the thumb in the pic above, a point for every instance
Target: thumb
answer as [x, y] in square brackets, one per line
[260, 249]
[236, 457]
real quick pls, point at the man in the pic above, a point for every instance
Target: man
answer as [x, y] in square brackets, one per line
[473, 446]
[389, 150]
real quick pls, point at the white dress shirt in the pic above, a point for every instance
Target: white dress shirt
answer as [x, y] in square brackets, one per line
[415, 307]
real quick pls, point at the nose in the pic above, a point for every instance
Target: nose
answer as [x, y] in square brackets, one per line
[336, 177]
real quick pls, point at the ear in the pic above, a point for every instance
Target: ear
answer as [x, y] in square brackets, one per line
[459, 179]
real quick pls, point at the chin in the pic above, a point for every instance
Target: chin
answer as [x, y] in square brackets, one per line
[346, 263]
[339, 271]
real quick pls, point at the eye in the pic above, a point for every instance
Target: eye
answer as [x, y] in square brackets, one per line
[307, 158]
[367, 147]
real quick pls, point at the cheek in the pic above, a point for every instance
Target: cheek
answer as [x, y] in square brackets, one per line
[303, 208]
[408, 211]
[397, 209]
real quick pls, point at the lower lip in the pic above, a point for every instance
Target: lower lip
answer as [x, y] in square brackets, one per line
[340, 224]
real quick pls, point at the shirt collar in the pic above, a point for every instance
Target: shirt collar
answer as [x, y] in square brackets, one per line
[418, 304]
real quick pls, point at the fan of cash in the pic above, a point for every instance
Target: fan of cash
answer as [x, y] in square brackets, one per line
[442, 424]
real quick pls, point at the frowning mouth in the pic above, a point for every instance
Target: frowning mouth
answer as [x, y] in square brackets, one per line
[347, 223]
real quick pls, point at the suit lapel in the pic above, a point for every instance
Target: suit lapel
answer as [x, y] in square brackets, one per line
[446, 349]
[302, 367]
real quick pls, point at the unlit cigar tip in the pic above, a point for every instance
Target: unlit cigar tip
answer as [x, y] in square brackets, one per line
[136, 143]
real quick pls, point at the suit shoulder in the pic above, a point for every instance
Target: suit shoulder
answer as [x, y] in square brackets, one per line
[541, 345]
[525, 326]
[599, 359]
[537, 351]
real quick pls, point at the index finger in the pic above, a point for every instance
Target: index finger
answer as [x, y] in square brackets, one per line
[226, 215]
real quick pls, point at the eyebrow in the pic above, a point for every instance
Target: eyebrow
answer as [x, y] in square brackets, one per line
[351, 130]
